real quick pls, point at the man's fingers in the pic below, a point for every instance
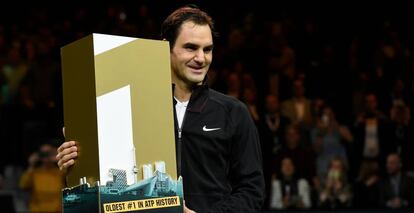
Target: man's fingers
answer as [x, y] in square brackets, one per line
[66, 151]
[187, 210]
[66, 165]
[69, 156]
[66, 145]
[67, 161]
[65, 156]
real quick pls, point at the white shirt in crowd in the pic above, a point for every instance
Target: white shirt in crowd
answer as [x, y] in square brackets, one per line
[276, 197]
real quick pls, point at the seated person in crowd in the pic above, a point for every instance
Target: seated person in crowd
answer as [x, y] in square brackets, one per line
[366, 188]
[397, 189]
[295, 148]
[402, 134]
[288, 191]
[335, 191]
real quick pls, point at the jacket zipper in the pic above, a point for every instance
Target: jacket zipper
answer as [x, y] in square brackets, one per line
[179, 146]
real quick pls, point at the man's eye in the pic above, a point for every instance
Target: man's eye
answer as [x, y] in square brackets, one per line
[191, 48]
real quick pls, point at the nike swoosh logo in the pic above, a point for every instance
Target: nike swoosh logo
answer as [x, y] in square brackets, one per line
[205, 129]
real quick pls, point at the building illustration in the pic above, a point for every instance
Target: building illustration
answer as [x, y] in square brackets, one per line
[156, 183]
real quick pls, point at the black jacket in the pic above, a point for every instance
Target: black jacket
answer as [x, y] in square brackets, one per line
[218, 155]
[406, 192]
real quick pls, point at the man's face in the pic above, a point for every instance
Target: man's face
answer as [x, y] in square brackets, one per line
[292, 138]
[299, 90]
[371, 103]
[192, 53]
[272, 104]
[288, 169]
[393, 164]
[337, 165]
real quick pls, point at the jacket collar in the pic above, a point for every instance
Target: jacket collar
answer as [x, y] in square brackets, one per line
[198, 97]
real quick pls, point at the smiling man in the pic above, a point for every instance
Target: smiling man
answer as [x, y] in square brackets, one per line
[218, 152]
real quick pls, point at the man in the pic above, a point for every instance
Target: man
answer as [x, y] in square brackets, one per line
[42, 169]
[218, 151]
[396, 190]
[298, 108]
[271, 130]
[373, 138]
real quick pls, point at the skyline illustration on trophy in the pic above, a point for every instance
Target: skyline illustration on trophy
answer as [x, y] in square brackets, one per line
[156, 183]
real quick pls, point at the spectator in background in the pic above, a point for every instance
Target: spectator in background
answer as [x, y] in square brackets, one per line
[336, 191]
[273, 77]
[360, 88]
[272, 127]
[298, 108]
[281, 60]
[234, 85]
[14, 71]
[389, 60]
[250, 99]
[12, 75]
[295, 149]
[248, 81]
[372, 135]
[399, 95]
[271, 132]
[318, 104]
[289, 191]
[44, 180]
[397, 189]
[402, 133]
[329, 140]
[366, 188]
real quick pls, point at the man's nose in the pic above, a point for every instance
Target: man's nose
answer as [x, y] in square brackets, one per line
[200, 56]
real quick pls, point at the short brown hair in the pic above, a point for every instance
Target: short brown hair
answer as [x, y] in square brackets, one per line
[170, 28]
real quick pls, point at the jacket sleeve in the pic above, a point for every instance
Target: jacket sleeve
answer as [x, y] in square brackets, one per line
[245, 172]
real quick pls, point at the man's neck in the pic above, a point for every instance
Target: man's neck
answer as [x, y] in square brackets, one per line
[396, 175]
[273, 114]
[299, 98]
[182, 92]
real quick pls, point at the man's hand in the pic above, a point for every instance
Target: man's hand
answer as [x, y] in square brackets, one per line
[67, 153]
[286, 201]
[187, 210]
[33, 159]
[396, 203]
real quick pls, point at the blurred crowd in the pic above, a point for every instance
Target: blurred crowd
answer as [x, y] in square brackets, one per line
[331, 94]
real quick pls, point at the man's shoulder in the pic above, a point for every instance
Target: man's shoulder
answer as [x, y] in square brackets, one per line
[223, 99]
[409, 176]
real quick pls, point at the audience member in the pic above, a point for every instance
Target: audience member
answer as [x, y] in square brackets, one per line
[44, 180]
[397, 188]
[336, 190]
[288, 190]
